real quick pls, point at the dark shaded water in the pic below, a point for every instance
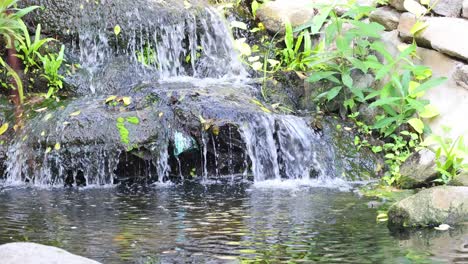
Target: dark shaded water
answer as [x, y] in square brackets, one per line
[217, 223]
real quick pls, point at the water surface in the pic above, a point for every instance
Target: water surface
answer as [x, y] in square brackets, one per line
[226, 222]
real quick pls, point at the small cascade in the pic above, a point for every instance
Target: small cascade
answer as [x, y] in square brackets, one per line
[282, 146]
[192, 43]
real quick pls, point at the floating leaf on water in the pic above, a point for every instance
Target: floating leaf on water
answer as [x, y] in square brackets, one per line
[111, 98]
[161, 114]
[75, 113]
[48, 149]
[66, 123]
[43, 133]
[40, 109]
[3, 128]
[187, 4]
[442, 227]
[126, 100]
[117, 30]
[57, 146]
[25, 137]
[120, 120]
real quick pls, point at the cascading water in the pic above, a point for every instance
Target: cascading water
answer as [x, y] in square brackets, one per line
[79, 142]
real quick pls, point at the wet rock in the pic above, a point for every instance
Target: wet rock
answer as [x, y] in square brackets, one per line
[431, 207]
[274, 14]
[386, 16]
[32, 253]
[444, 34]
[418, 170]
[448, 8]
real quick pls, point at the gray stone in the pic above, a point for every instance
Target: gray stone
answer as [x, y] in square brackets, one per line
[275, 14]
[386, 16]
[460, 180]
[430, 207]
[32, 253]
[465, 9]
[408, 5]
[448, 8]
[460, 75]
[418, 170]
[445, 34]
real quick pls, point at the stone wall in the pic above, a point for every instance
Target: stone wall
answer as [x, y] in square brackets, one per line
[443, 46]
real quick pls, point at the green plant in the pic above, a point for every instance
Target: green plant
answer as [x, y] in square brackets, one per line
[451, 155]
[51, 65]
[28, 51]
[147, 56]
[11, 26]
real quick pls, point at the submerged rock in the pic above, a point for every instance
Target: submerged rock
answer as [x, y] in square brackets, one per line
[431, 207]
[418, 170]
[32, 253]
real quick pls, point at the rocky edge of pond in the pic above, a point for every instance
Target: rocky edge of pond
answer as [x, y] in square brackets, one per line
[32, 253]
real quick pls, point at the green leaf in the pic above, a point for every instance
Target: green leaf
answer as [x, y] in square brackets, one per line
[429, 84]
[417, 124]
[3, 128]
[317, 76]
[255, 7]
[133, 120]
[117, 30]
[418, 27]
[430, 111]
[385, 101]
[347, 80]
[333, 92]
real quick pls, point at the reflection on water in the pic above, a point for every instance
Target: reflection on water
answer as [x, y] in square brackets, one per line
[217, 223]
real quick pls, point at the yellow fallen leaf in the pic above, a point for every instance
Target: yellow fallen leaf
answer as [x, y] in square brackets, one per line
[57, 146]
[126, 100]
[3, 128]
[111, 98]
[75, 113]
[48, 150]
[40, 109]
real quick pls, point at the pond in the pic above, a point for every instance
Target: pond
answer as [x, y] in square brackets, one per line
[229, 221]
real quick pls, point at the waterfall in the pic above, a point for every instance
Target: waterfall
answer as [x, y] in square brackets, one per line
[61, 146]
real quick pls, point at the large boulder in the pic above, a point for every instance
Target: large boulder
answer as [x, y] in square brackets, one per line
[274, 14]
[32, 253]
[418, 170]
[430, 207]
[448, 8]
[407, 5]
[445, 34]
